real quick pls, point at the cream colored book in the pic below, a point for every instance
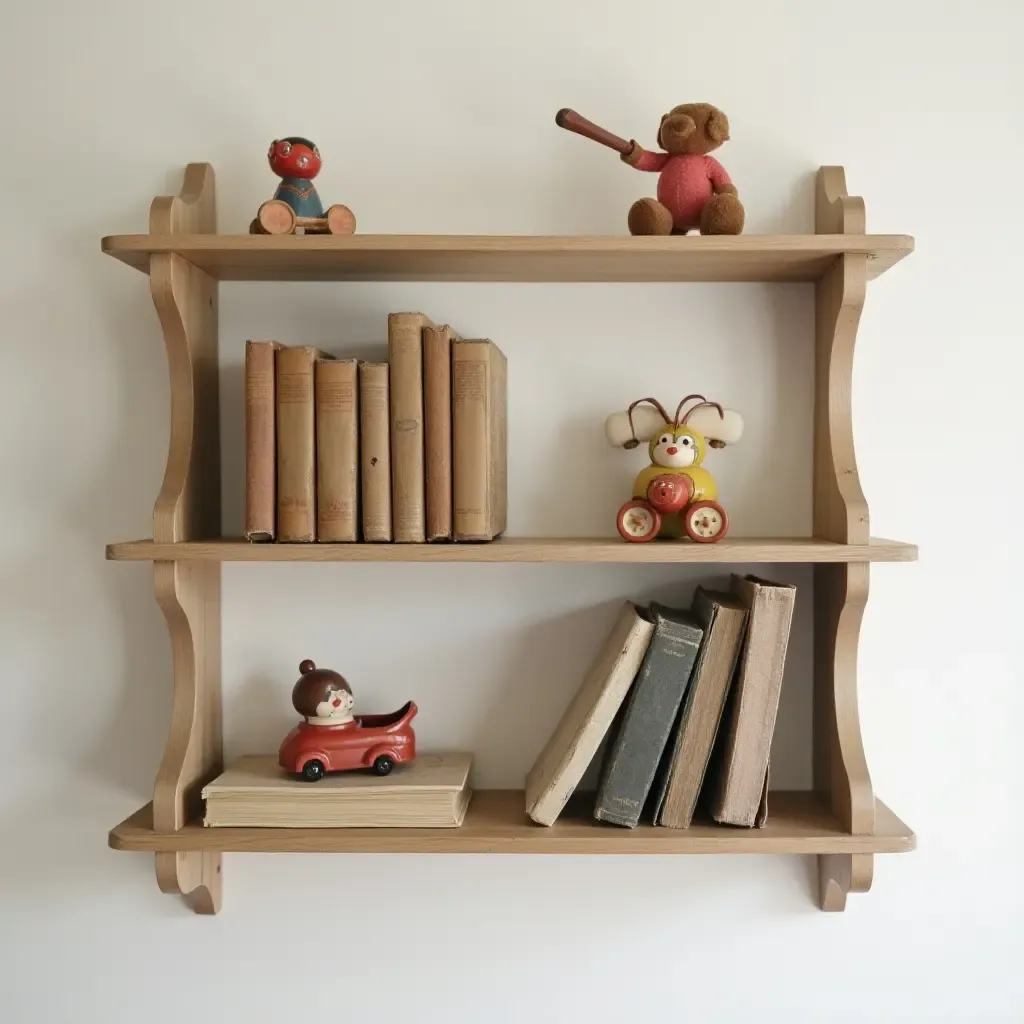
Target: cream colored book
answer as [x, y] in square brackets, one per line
[432, 792]
[574, 743]
[437, 429]
[737, 787]
[337, 450]
[408, 492]
[479, 440]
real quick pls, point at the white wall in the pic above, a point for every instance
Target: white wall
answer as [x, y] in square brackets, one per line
[438, 117]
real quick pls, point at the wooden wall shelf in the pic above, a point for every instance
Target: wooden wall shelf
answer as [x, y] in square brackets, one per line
[497, 823]
[840, 822]
[523, 549]
[511, 257]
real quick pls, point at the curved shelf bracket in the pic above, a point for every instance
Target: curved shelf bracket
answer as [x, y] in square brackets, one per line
[841, 516]
[188, 508]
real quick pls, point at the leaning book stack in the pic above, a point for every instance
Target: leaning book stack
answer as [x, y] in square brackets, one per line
[685, 703]
[412, 450]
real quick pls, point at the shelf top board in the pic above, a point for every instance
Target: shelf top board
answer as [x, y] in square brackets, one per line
[512, 257]
[496, 822]
[523, 549]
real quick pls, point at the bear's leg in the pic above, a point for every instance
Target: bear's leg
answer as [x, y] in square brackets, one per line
[722, 215]
[649, 217]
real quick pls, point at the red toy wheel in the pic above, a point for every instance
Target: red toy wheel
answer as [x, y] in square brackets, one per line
[638, 522]
[705, 522]
[340, 220]
[670, 492]
[276, 217]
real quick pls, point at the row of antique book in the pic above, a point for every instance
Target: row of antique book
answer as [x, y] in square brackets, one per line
[410, 450]
[688, 701]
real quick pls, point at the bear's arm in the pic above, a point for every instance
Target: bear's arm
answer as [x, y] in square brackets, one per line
[720, 180]
[644, 160]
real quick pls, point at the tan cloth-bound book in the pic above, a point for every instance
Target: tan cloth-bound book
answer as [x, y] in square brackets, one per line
[296, 443]
[437, 429]
[737, 786]
[431, 792]
[573, 744]
[375, 451]
[479, 440]
[408, 496]
[337, 450]
[260, 441]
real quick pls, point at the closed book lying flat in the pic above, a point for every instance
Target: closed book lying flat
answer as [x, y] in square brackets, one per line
[737, 785]
[431, 792]
[573, 744]
[634, 752]
[337, 450]
[722, 618]
[260, 441]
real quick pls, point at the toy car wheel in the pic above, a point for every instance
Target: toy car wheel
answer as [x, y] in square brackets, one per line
[705, 522]
[383, 765]
[340, 220]
[276, 217]
[255, 228]
[313, 771]
[638, 522]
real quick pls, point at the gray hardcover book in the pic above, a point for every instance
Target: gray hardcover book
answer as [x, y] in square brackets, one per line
[635, 749]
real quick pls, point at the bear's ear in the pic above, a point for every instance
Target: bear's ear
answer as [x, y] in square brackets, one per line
[717, 126]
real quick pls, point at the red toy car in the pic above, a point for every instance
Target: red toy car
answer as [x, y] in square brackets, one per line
[332, 739]
[369, 741]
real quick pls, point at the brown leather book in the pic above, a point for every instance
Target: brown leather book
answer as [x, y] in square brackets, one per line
[296, 443]
[337, 450]
[408, 498]
[375, 451]
[737, 786]
[260, 441]
[479, 440]
[437, 429]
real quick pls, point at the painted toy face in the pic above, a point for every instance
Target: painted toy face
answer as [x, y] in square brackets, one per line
[293, 159]
[674, 450]
[339, 704]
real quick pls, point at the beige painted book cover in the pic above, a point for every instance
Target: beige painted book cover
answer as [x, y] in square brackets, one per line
[337, 450]
[375, 451]
[260, 441]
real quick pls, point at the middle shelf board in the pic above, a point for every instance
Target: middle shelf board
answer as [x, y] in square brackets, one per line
[523, 549]
[798, 822]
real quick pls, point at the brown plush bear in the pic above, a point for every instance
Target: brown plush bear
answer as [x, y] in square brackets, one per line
[694, 190]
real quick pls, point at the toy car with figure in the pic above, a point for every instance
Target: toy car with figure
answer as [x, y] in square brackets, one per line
[675, 495]
[331, 739]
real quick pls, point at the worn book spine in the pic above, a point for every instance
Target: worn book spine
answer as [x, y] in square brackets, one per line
[635, 751]
[375, 451]
[260, 441]
[408, 497]
[737, 792]
[574, 743]
[479, 440]
[296, 443]
[722, 618]
[437, 430]
[337, 450]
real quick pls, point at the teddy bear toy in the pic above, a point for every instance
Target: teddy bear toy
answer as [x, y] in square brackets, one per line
[694, 190]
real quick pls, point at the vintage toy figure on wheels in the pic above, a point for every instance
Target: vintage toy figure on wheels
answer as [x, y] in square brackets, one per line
[675, 495]
[296, 204]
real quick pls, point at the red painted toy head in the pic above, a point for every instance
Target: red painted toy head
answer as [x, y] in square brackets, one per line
[294, 157]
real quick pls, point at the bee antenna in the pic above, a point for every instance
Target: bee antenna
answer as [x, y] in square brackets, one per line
[633, 442]
[700, 405]
[679, 409]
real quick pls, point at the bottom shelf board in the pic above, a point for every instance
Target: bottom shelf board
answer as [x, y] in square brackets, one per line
[798, 822]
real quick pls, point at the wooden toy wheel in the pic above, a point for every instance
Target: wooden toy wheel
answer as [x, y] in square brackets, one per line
[276, 217]
[255, 228]
[340, 220]
[638, 522]
[705, 522]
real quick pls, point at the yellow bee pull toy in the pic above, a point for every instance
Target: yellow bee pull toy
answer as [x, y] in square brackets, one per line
[675, 495]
